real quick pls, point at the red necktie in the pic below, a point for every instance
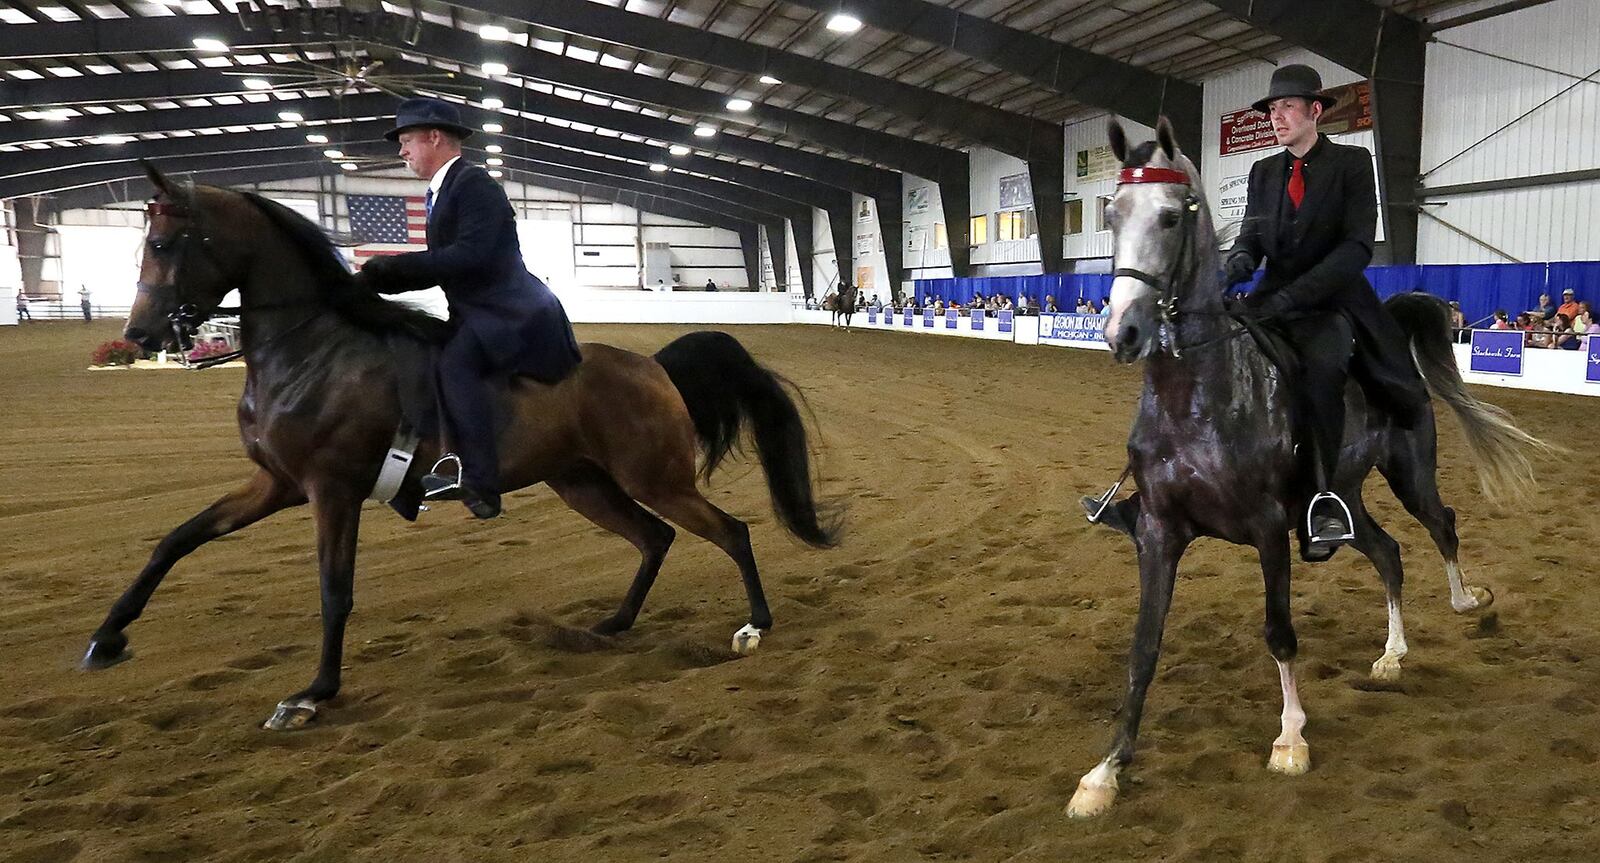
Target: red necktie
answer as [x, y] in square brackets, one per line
[1297, 182]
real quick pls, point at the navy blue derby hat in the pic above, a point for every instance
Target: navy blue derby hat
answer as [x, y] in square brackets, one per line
[429, 112]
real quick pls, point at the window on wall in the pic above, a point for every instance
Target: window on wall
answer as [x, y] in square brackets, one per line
[980, 230]
[941, 237]
[1100, 213]
[1074, 220]
[1015, 225]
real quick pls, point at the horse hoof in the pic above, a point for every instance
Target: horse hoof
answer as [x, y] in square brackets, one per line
[291, 715]
[1290, 759]
[1478, 599]
[1091, 801]
[746, 640]
[1387, 668]
[102, 655]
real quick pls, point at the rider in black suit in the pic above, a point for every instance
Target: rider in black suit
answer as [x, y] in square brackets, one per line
[508, 321]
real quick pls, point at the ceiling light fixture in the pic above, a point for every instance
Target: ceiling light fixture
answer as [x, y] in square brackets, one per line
[492, 128]
[678, 150]
[494, 33]
[215, 46]
[496, 174]
[494, 161]
[333, 154]
[768, 79]
[349, 166]
[704, 131]
[842, 23]
[494, 148]
[290, 116]
[493, 104]
[493, 69]
[314, 138]
[658, 167]
[257, 84]
[739, 105]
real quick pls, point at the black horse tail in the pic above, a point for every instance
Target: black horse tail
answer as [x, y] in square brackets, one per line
[1501, 448]
[728, 392]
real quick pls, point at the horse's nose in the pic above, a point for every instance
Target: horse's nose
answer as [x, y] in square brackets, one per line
[134, 334]
[1129, 335]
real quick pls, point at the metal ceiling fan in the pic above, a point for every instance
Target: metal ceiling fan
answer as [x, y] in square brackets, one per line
[354, 69]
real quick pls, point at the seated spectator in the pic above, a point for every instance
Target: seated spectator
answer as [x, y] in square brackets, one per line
[1569, 305]
[1022, 304]
[710, 285]
[938, 306]
[1500, 321]
[875, 303]
[1561, 335]
[1538, 332]
[1586, 322]
[1458, 322]
[1050, 307]
[1083, 307]
[1545, 310]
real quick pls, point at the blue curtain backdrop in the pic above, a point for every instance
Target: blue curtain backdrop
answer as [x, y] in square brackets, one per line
[1480, 288]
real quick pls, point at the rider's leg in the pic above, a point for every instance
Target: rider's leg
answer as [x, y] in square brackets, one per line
[464, 369]
[1324, 345]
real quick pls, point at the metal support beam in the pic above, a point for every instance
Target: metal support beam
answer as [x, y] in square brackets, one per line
[1121, 88]
[1388, 48]
[1589, 175]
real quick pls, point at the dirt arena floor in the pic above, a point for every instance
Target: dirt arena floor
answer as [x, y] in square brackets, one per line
[933, 689]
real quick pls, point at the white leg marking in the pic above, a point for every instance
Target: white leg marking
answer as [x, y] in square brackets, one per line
[1462, 597]
[1290, 754]
[1097, 790]
[1388, 665]
[746, 640]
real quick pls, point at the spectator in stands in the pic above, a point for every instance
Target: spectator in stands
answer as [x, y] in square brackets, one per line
[876, 304]
[977, 300]
[1005, 305]
[1083, 306]
[938, 306]
[711, 286]
[1022, 304]
[1500, 320]
[1569, 305]
[1050, 305]
[1561, 335]
[83, 301]
[22, 308]
[1538, 332]
[1586, 321]
[1458, 322]
[1545, 309]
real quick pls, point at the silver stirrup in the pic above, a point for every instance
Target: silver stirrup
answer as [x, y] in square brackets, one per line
[452, 458]
[1105, 500]
[1349, 521]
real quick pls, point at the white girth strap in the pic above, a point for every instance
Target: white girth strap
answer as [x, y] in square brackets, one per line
[395, 466]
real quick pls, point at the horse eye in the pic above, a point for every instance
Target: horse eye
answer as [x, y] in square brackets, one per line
[1169, 219]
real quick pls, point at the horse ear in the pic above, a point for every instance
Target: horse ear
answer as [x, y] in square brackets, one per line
[158, 179]
[1166, 139]
[1119, 141]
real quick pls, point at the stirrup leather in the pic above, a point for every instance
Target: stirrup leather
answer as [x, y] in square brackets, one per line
[1349, 521]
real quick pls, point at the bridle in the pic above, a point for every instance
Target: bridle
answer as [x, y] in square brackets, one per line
[1167, 289]
[185, 319]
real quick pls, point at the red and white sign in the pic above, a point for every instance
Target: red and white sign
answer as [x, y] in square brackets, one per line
[1246, 130]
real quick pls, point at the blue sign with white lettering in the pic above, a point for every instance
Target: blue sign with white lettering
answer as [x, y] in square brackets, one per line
[907, 321]
[927, 318]
[1592, 375]
[977, 320]
[1005, 322]
[951, 319]
[1497, 352]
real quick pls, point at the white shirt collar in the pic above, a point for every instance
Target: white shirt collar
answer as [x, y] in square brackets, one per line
[438, 176]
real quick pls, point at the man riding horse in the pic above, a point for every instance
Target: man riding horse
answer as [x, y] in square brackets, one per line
[508, 321]
[1311, 213]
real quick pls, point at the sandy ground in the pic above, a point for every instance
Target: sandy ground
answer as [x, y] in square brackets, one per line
[933, 689]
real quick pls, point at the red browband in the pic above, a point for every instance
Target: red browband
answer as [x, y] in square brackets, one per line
[1152, 175]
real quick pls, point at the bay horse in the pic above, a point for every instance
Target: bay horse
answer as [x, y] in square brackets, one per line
[1213, 452]
[320, 407]
[842, 304]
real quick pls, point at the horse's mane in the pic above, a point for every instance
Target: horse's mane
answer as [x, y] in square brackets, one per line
[364, 308]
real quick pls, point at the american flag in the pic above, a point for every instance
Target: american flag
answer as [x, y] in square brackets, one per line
[387, 224]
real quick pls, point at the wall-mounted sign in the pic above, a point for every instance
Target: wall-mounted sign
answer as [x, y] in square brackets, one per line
[1096, 164]
[1015, 193]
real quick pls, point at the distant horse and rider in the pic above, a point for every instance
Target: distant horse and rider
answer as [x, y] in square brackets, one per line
[842, 303]
[1213, 444]
[321, 405]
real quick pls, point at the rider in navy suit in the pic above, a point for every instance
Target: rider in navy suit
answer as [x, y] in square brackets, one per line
[508, 321]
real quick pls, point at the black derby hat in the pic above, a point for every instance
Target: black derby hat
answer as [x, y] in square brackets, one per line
[427, 112]
[1294, 80]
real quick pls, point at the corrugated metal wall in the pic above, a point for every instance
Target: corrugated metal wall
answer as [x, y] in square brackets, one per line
[1469, 96]
[1089, 135]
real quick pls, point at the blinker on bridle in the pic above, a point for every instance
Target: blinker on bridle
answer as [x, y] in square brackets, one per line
[1168, 288]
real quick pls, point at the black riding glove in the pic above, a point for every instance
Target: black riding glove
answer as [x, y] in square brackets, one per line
[377, 275]
[1238, 270]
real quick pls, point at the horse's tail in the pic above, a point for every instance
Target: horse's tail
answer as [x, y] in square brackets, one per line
[1501, 448]
[727, 392]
